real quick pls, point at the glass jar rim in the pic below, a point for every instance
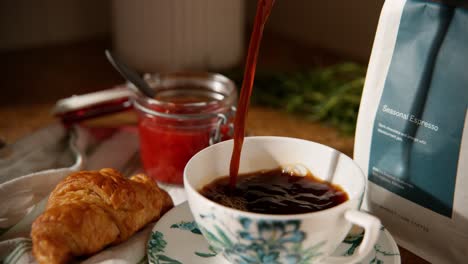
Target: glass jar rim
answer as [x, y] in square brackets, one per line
[219, 87]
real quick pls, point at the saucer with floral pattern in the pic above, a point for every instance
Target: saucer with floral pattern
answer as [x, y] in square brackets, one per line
[176, 239]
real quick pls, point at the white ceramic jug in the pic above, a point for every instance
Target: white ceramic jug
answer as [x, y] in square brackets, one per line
[171, 35]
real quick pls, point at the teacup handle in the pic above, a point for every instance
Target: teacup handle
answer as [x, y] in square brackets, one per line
[371, 225]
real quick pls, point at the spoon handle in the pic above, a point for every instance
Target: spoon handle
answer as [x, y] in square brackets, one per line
[130, 75]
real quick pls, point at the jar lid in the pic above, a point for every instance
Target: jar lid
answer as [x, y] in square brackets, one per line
[187, 95]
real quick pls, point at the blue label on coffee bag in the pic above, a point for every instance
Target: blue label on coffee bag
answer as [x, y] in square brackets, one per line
[419, 124]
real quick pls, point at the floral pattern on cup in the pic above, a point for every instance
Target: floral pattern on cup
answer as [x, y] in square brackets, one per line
[263, 242]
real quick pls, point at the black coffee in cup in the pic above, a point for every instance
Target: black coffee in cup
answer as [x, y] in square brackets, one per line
[275, 192]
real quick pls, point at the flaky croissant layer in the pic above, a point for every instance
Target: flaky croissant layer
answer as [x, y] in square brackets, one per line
[90, 210]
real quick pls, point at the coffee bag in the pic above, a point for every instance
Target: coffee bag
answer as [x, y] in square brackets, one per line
[412, 130]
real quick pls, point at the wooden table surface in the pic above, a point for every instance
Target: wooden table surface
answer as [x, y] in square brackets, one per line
[33, 80]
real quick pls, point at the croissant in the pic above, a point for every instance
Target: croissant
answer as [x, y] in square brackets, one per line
[90, 210]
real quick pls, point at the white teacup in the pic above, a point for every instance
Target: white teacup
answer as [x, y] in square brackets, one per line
[245, 237]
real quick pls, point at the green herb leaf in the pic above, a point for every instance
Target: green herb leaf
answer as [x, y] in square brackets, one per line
[331, 95]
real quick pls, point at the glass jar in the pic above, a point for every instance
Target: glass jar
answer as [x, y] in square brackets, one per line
[189, 112]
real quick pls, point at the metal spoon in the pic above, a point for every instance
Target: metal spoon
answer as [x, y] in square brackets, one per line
[130, 75]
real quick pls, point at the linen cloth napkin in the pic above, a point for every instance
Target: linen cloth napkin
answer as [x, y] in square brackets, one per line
[31, 168]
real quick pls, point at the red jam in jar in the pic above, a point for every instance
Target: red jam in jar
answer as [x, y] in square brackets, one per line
[189, 112]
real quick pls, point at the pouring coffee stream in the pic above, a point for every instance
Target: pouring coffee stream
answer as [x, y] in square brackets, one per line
[264, 8]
